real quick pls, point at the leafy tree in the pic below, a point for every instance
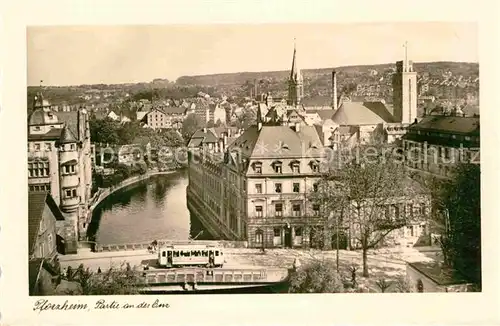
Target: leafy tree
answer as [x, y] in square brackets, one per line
[316, 277]
[459, 201]
[104, 131]
[360, 191]
[190, 125]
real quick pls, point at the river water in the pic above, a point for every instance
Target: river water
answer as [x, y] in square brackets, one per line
[149, 210]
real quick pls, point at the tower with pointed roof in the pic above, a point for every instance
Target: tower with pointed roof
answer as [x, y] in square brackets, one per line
[295, 82]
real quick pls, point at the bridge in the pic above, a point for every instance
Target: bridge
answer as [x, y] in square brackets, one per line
[203, 279]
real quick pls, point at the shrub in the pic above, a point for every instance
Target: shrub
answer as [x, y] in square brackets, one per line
[316, 277]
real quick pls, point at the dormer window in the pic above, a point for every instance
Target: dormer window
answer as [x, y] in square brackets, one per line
[295, 166]
[315, 166]
[278, 167]
[257, 167]
[283, 145]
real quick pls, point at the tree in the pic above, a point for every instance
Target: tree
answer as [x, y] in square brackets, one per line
[121, 280]
[369, 192]
[316, 277]
[459, 204]
[190, 125]
[104, 131]
[247, 118]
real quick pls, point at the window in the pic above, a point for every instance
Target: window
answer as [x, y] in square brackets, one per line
[295, 168]
[258, 188]
[423, 210]
[69, 169]
[396, 211]
[258, 236]
[315, 187]
[72, 147]
[296, 210]
[315, 166]
[316, 209]
[37, 147]
[50, 241]
[37, 128]
[74, 192]
[68, 193]
[296, 187]
[277, 188]
[258, 211]
[277, 232]
[40, 250]
[278, 168]
[298, 232]
[164, 254]
[48, 147]
[278, 209]
[38, 169]
[410, 210]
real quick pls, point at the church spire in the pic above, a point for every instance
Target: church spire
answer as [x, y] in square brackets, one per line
[295, 72]
[295, 87]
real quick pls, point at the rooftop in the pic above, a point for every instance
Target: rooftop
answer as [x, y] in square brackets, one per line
[36, 206]
[438, 274]
[451, 124]
[362, 113]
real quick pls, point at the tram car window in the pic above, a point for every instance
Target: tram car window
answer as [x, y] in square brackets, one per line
[190, 256]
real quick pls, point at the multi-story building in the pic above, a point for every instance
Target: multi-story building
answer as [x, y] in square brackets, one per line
[437, 143]
[169, 117]
[43, 214]
[260, 187]
[59, 161]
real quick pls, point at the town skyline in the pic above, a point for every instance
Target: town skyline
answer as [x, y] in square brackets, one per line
[215, 48]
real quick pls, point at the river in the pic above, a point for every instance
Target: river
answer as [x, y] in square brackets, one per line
[149, 210]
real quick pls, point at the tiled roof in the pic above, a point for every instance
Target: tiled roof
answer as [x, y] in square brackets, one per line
[67, 136]
[70, 119]
[202, 136]
[317, 101]
[36, 206]
[34, 267]
[452, 124]
[366, 113]
[174, 110]
[269, 141]
[323, 114]
[52, 134]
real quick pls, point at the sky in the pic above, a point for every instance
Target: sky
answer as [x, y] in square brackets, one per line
[75, 55]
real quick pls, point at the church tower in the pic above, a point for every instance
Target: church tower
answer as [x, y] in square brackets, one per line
[295, 83]
[404, 94]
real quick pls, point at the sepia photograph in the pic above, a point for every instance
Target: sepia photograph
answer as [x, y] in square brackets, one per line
[267, 158]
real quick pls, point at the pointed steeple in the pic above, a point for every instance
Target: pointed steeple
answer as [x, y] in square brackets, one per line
[67, 136]
[295, 72]
[295, 86]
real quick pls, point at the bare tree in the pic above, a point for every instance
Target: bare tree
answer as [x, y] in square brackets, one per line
[372, 191]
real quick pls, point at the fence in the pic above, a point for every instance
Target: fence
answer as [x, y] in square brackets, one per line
[145, 245]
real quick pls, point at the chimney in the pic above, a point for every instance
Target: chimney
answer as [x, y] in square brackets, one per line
[334, 90]
[297, 126]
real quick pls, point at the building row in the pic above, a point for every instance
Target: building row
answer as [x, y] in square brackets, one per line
[258, 187]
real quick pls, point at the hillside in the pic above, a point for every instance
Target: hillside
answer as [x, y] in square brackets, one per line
[240, 78]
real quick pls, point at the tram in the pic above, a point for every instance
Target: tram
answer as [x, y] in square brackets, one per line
[190, 256]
